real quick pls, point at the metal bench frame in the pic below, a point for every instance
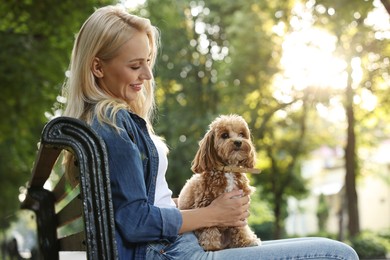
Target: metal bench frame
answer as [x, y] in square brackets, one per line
[95, 193]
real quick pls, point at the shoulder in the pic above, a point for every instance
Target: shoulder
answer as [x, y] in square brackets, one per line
[121, 123]
[125, 118]
[121, 114]
[111, 122]
[112, 119]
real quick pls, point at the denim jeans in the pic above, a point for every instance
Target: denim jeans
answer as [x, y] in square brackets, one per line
[186, 247]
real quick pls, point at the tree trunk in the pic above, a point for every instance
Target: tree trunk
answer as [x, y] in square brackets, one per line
[386, 4]
[277, 233]
[350, 162]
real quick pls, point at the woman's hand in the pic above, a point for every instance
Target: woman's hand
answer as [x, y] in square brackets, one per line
[230, 209]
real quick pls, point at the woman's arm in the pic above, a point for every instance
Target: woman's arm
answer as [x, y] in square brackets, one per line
[136, 219]
[229, 209]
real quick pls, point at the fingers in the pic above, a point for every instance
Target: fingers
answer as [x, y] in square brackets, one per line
[245, 214]
[234, 194]
[242, 201]
[245, 200]
[237, 194]
[241, 206]
[239, 216]
[238, 223]
[233, 208]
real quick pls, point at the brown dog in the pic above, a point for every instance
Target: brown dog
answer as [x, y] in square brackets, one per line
[218, 166]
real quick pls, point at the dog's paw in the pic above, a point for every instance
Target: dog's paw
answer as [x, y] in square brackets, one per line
[211, 245]
[211, 248]
[255, 242]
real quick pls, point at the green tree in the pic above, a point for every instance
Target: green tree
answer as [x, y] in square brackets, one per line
[211, 69]
[322, 213]
[36, 41]
[184, 95]
[254, 53]
[222, 57]
[356, 41]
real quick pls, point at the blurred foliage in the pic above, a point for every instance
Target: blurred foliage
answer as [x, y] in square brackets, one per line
[261, 219]
[260, 210]
[223, 62]
[369, 245]
[36, 39]
[322, 213]
[358, 37]
[24, 230]
[217, 57]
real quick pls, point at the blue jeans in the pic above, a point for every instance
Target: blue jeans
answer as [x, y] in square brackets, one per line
[186, 247]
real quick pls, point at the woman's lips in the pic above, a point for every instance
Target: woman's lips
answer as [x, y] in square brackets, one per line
[136, 87]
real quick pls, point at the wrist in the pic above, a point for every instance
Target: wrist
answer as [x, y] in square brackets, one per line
[197, 218]
[210, 217]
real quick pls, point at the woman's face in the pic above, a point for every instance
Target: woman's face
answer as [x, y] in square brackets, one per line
[123, 76]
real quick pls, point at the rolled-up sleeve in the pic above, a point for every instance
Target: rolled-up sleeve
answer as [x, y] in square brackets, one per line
[136, 219]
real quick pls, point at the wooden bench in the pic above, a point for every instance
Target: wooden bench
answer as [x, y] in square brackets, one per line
[85, 211]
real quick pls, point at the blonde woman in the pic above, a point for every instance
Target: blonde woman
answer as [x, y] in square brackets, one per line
[111, 87]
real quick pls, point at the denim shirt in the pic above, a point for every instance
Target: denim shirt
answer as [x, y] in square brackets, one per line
[133, 164]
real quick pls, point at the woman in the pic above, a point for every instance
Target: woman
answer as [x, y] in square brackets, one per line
[111, 87]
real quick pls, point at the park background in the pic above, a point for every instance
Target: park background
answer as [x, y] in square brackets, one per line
[310, 77]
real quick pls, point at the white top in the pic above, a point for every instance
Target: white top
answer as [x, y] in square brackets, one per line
[163, 196]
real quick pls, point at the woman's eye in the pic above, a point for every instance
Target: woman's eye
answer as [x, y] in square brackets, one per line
[225, 135]
[135, 67]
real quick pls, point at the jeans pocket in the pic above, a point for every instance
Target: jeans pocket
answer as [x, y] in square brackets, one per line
[157, 250]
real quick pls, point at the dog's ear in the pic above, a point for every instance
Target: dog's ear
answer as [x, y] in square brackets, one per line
[250, 161]
[206, 155]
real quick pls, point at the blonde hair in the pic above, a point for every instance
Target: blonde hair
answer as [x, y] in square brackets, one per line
[102, 35]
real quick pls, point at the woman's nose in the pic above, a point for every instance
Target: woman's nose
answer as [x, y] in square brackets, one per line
[146, 73]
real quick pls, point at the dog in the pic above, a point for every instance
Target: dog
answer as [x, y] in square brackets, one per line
[225, 153]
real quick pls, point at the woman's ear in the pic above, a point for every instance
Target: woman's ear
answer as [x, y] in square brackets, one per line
[97, 69]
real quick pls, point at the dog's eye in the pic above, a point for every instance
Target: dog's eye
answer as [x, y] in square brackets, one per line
[225, 135]
[242, 135]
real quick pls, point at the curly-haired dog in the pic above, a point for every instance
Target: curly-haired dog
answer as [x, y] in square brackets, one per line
[223, 152]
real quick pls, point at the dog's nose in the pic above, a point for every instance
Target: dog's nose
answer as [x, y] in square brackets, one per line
[237, 143]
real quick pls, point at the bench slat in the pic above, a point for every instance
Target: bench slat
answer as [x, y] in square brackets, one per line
[74, 242]
[43, 166]
[59, 190]
[70, 212]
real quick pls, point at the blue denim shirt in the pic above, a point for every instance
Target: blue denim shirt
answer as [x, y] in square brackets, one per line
[133, 164]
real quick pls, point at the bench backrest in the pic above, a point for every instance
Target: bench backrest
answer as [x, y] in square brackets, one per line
[85, 210]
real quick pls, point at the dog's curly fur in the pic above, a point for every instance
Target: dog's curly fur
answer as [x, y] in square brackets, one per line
[226, 143]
